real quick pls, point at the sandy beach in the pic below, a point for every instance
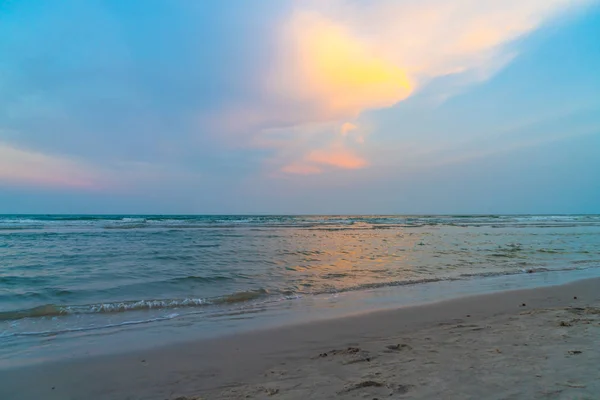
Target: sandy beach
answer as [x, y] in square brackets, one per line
[541, 343]
[300, 199]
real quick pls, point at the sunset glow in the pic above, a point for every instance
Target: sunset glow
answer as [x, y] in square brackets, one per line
[341, 71]
[266, 102]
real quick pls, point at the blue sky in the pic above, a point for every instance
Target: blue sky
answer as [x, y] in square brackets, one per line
[336, 106]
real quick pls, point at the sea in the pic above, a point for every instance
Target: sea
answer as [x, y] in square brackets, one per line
[82, 285]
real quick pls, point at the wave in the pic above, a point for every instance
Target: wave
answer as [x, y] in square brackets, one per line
[133, 219]
[54, 310]
[90, 328]
[207, 279]
[409, 282]
[242, 296]
[19, 228]
[288, 221]
[129, 226]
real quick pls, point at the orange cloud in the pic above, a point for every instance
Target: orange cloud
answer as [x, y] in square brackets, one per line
[327, 65]
[347, 127]
[345, 57]
[341, 158]
[338, 58]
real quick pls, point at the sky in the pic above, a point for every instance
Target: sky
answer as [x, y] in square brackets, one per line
[300, 106]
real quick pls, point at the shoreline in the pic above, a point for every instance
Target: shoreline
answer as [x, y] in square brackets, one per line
[236, 364]
[155, 329]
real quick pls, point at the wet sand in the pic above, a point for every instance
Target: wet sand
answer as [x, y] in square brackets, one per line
[541, 343]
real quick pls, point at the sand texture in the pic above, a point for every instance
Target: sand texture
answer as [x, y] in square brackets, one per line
[540, 343]
[538, 354]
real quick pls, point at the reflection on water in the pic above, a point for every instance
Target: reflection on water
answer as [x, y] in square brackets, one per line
[319, 260]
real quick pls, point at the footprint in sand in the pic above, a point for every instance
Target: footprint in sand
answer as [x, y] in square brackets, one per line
[397, 347]
[355, 355]
[397, 389]
[348, 351]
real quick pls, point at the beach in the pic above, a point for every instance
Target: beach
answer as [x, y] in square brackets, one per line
[74, 286]
[539, 343]
[327, 199]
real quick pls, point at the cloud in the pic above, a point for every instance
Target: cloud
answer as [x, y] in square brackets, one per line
[339, 58]
[325, 64]
[32, 168]
[19, 166]
[301, 169]
[337, 156]
[347, 127]
[315, 149]
[350, 56]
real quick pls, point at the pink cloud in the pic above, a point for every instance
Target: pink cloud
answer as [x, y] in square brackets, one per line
[320, 149]
[19, 166]
[340, 158]
[301, 169]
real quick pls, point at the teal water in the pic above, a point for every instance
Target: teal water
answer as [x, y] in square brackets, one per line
[70, 278]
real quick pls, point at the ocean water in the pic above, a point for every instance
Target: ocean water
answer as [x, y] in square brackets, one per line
[72, 279]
